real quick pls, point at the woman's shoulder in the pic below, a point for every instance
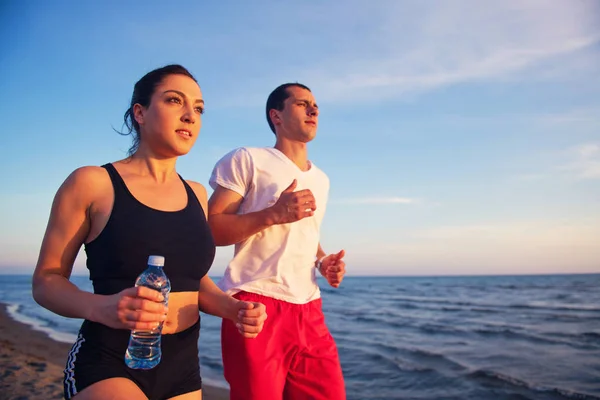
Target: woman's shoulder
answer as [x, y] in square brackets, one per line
[198, 188]
[87, 181]
[88, 175]
[201, 194]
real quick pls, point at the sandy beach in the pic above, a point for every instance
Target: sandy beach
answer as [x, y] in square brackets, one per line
[31, 364]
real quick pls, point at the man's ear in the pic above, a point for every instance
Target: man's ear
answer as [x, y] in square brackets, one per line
[275, 117]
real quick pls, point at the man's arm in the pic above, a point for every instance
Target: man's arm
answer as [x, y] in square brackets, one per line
[320, 252]
[332, 266]
[228, 227]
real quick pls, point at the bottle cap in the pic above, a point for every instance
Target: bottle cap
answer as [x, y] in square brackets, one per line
[157, 261]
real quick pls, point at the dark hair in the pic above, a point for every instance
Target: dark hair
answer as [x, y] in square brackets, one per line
[277, 98]
[142, 94]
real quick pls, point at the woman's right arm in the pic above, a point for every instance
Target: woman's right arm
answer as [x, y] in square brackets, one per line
[68, 228]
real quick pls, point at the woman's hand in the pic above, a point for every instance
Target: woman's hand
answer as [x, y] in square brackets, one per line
[139, 308]
[250, 318]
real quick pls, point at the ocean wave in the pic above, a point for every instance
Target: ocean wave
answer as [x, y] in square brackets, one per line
[553, 307]
[437, 329]
[385, 360]
[502, 331]
[39, 324]
[484, 310]
[512, 334]
[566, 318]
[510, 287]
[49, 321]
[451, 309]
[422, 301]
[497, 378]
[435, 361]
[212, 363]
[590, 335]
[585, 340]
[380, 321]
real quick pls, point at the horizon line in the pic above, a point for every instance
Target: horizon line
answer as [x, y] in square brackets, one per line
[397, 276]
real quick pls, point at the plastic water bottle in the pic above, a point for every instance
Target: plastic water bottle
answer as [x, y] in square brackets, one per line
[144, 351]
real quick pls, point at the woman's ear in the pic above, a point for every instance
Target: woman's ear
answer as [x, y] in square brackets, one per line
[138, 113]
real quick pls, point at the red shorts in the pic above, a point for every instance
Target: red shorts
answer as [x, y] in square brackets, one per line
[293, 358]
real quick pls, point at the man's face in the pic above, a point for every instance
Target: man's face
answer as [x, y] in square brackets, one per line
[299, 118]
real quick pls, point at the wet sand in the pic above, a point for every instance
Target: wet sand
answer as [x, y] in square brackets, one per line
[31, 364]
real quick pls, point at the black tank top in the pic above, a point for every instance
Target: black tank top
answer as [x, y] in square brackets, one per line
[135, 231]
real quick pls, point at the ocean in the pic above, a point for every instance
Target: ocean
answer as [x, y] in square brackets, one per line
[478, 337]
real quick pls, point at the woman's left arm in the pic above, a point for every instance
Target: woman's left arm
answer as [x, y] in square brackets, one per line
[212, 300]
[248, 317]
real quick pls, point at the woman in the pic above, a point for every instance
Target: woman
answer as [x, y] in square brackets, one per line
[122, 213]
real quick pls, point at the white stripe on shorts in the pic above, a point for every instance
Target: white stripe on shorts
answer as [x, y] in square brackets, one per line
[70, 389]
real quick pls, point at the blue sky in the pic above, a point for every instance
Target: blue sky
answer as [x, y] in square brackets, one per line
[460, 137]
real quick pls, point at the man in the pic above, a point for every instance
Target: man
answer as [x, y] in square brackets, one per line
[270, 202]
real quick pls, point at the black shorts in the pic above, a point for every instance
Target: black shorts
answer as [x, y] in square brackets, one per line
[99, 352]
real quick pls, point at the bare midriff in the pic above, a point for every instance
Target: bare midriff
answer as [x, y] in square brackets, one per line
[183, 312]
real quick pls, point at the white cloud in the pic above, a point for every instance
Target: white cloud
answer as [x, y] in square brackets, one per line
[374, 200]
[588, 150]
[409, 49]
[352, 50]
[581, 162]
[586, 163]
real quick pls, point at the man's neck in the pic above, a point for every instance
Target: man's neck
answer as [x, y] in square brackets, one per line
[295, 151]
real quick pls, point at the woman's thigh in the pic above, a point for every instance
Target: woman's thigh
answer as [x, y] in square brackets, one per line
[112, 389]
[197, 395]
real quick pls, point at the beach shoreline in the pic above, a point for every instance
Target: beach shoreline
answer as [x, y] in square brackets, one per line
[31, 363]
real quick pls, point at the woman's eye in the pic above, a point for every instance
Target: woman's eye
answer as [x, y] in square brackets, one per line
[199, 110]
[175, 100]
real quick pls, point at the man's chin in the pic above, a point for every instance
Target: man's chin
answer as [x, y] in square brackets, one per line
[309, 136]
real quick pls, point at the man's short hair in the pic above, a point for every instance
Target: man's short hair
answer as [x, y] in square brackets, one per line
[277, 98]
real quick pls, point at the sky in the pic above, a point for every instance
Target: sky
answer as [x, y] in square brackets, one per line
[460, 138]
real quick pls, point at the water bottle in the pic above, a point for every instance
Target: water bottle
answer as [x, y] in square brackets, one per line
[144, 351]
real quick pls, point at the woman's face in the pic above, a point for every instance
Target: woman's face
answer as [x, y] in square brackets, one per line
[170, 125]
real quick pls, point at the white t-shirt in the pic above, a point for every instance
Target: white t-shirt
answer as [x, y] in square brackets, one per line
[277, 262]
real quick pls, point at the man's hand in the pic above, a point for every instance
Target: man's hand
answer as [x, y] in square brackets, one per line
[293, 206]
[250, 318]
[333, 268]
